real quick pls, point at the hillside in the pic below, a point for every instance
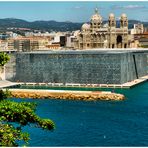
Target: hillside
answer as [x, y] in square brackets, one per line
[50, 25]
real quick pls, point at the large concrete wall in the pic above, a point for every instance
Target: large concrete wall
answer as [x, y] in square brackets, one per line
[129, 66]
[87, 67]
[142, 63]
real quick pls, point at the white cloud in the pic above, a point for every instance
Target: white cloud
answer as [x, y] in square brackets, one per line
[129, 7]
[83, 7]
[134, 7]
[79, 7]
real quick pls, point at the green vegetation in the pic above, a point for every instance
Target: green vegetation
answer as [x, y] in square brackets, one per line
[14, 116]
[4, 94]
[4, 58]
[144, 46]
[22, 114]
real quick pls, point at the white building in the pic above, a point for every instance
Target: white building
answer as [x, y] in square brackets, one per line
[138, 29]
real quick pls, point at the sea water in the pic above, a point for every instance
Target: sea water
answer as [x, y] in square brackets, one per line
[95, 123]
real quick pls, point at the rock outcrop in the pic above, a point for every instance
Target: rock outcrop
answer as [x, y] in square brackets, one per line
[69, 95]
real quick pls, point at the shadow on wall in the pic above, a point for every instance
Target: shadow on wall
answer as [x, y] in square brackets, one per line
[55, 79]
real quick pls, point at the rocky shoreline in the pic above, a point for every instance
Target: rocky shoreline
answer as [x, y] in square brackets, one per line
[69, 95]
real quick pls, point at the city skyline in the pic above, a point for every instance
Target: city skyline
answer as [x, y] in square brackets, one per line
[78, 11]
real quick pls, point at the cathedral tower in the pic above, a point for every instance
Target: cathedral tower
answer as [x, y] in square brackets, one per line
[111, 20]
[96, 21]
[123, 21]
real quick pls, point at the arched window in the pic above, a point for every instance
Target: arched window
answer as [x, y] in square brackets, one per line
[81, 35]
[125, 45]
[119, 41]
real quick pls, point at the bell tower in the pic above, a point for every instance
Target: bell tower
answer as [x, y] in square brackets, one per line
[123, 21]
[111, 20]
[122, 38]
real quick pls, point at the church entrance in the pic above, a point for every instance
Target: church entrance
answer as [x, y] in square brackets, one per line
[119, 41]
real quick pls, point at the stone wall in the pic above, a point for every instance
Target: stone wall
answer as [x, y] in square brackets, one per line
[85, 67]
[10, 68]
[129, 66]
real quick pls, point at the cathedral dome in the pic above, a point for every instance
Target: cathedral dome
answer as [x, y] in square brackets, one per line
[111, 15]
[96, 17]
[123, 15]
[85, 26]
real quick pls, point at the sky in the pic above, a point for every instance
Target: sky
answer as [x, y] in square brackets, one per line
[73, 11]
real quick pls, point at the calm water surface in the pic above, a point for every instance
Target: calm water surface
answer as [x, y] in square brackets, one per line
[101, 123]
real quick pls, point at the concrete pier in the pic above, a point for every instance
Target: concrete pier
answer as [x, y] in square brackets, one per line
[5, 84]
[124, 85]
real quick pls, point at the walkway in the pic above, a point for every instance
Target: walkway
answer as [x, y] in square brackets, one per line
[125, 85]
[5, 83]
[130, 84]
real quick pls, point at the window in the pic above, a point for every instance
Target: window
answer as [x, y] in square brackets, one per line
[113, 46]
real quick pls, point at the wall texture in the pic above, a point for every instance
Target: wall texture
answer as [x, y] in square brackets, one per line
[133, 66]
[2, 73]
[10, 68]
[86, 67]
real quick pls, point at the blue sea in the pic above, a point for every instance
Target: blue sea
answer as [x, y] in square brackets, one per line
[99, 123]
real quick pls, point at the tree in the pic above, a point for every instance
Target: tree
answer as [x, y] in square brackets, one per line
[4, 58]
[21, 114]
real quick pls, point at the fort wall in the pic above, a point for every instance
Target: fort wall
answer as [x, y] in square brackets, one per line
[84, 67]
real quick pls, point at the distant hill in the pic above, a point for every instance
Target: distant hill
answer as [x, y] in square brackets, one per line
[50, 25]
[39, 25]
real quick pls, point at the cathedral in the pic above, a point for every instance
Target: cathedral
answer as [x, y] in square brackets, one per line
[97, 35]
